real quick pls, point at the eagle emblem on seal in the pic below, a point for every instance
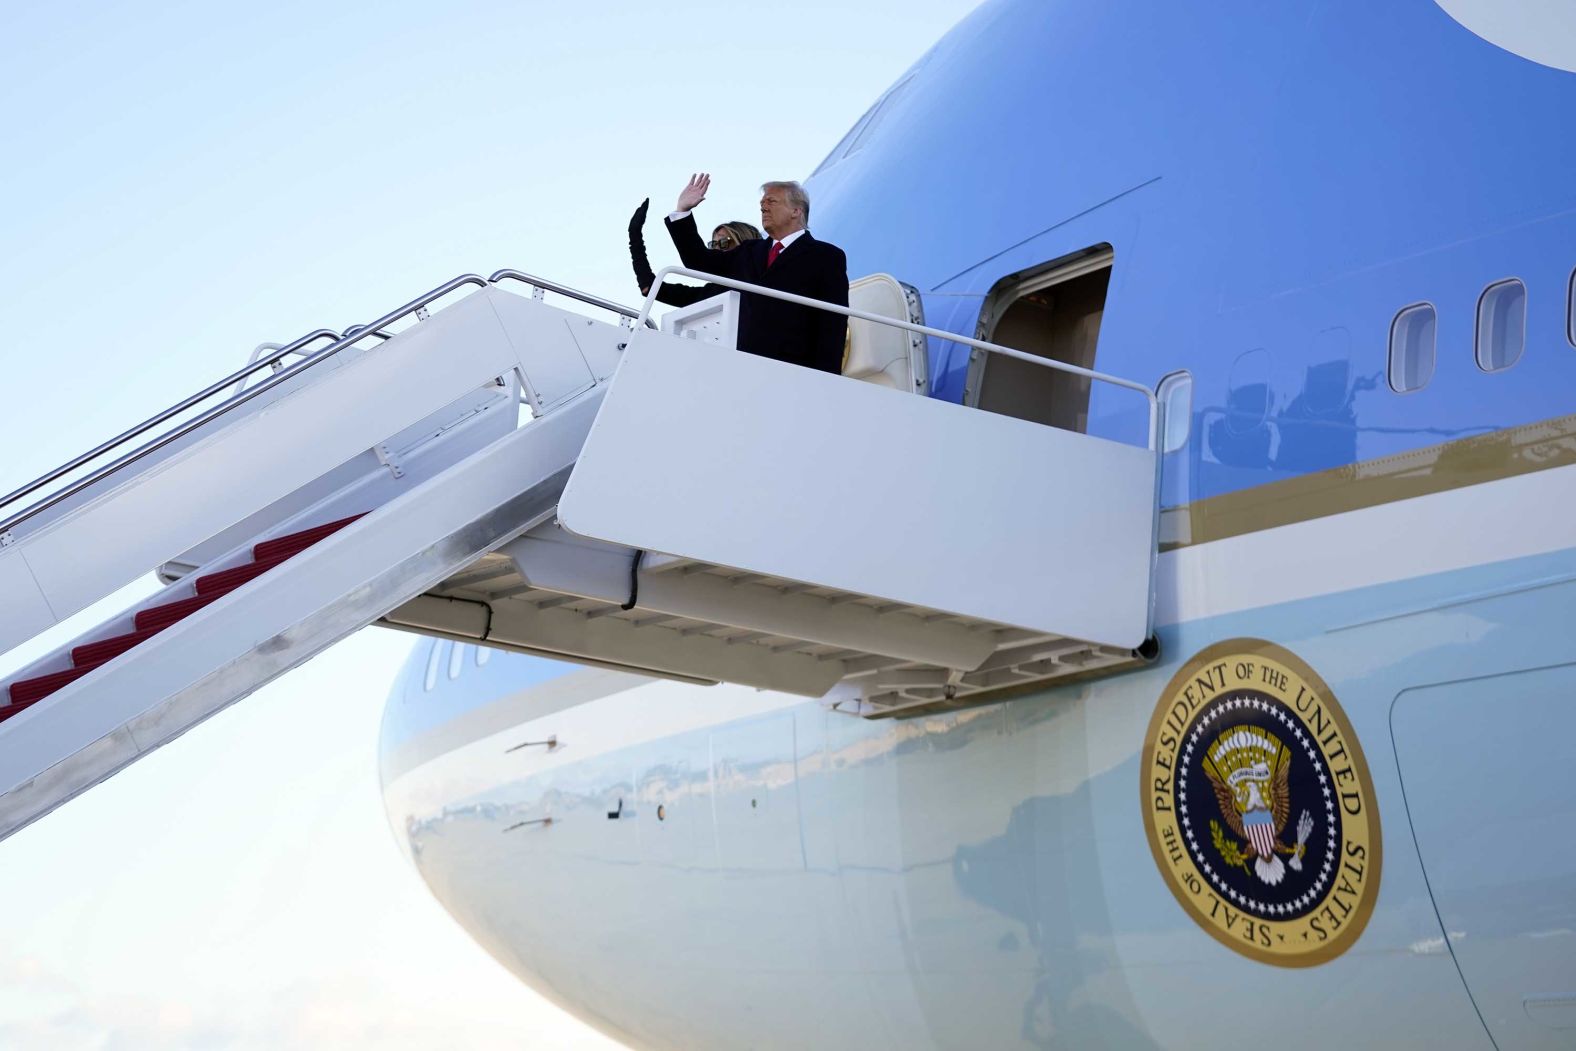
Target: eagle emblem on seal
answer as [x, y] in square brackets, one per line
[1250, 770]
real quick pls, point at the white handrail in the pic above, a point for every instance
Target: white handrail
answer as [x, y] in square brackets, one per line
[880, 319]
[539, 284]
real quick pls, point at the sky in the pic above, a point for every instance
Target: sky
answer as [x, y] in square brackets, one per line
[180, 182]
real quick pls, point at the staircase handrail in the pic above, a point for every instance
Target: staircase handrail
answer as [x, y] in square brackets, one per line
[881, 319]
[275, 360]
[228, 405]
[565, 290]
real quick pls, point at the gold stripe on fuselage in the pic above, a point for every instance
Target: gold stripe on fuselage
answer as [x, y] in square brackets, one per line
[1449, 465]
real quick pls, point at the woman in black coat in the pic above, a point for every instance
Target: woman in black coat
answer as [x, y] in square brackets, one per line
[724, 238]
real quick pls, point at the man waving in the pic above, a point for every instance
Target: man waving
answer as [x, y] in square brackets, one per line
[788, 259]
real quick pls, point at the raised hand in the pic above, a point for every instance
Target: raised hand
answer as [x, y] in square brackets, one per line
[694, 193]
[638, 220]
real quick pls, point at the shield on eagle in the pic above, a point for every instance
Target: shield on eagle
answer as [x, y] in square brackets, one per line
[1250, 770]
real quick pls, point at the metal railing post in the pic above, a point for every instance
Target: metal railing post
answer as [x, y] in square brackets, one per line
[540, 285]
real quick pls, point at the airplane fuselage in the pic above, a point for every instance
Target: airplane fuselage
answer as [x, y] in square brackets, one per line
[1363, 593]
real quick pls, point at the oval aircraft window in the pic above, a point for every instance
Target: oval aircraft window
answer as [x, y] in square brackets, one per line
[1176, 409]
[456, 660]
[1570, 310]
[1412, 348]
[1501, 325]
[433, 660]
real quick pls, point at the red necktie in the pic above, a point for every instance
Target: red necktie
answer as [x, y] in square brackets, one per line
[771, 257]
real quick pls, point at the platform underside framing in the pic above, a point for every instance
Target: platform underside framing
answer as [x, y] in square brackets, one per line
[866, 683]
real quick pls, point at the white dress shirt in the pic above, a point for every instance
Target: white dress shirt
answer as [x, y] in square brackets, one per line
[790, 239]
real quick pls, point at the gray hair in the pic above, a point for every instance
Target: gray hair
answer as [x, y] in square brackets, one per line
[795, 194]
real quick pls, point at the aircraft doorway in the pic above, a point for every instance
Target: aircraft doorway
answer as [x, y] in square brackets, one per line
[1053, 313]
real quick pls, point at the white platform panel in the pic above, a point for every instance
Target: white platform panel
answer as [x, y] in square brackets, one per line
[714, 320]
[732, 459]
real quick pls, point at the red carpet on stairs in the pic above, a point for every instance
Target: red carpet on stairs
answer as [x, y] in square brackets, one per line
[154, 619]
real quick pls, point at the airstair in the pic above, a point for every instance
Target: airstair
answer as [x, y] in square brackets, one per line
[482, 465]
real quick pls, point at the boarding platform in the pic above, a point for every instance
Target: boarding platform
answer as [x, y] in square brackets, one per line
[569, 479]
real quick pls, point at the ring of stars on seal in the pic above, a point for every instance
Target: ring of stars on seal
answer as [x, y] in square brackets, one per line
[1259, 807]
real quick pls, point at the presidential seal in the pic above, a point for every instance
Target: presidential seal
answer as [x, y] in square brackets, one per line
[1258, 805]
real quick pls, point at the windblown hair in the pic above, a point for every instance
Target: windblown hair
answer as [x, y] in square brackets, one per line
[741, 231]
[795, 194]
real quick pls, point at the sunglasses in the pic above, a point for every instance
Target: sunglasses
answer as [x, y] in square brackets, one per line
[722, 244]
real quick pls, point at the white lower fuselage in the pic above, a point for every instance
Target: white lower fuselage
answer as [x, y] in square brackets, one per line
[782, 875]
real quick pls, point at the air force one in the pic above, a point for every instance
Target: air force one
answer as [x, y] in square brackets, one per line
[1160, 635]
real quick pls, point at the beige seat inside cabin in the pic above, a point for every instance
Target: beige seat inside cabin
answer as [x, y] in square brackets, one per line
[876, 353]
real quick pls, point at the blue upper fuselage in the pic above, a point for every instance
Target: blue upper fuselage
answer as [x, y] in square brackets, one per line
[1277, 182]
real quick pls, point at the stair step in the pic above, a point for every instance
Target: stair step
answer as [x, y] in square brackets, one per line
[105, 649]
[293, 542]
[27, 691]
[167, 614]
[149, 622]
[230, 579]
